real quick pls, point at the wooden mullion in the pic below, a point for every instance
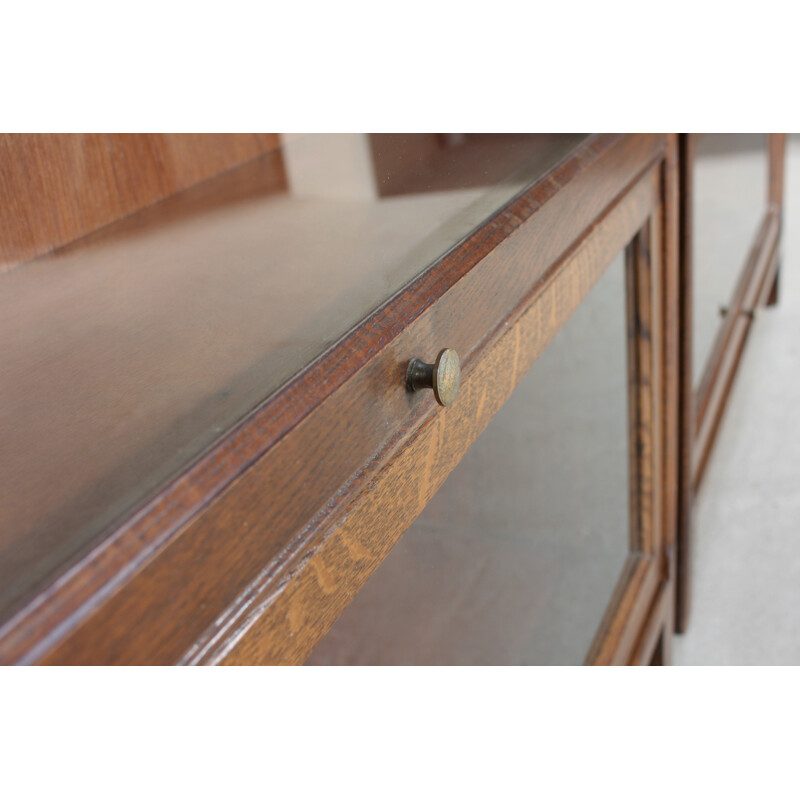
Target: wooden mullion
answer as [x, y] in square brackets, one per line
[641, 378]
[686, 406]
[777, 157]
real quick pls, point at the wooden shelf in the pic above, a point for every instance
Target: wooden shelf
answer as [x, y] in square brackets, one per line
[129, 352]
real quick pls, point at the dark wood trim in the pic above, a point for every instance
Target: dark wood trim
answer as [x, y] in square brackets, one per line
[768, 286]
[686, 145]
[715, 386]
[777, 159]
[676, 479]
[643, 371]
[248, 506]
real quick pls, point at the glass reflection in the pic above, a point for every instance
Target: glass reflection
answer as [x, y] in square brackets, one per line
[517, 556]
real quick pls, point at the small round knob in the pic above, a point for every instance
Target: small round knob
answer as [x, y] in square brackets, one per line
[443, 376]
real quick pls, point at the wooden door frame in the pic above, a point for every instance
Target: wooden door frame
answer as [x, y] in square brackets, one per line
[638, 625]
[702, 410]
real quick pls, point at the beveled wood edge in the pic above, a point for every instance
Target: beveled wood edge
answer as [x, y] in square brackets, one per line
[74, 596]
[286, 624]
[730, 342]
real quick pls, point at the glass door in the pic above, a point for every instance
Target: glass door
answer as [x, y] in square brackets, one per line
[547, 534]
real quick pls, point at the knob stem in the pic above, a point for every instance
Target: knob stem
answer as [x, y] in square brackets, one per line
[419, 375]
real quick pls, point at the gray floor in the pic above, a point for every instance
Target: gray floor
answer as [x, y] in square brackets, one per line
[746, 604]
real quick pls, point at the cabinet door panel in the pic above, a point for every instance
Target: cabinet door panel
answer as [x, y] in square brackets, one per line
[518, 556]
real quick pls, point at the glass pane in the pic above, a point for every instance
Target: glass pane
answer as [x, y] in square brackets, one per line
[128, 353]
[516, 558]
[730, 198]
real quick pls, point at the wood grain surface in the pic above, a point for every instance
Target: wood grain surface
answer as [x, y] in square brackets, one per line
[503, 566]
[622, 627]
[140, 348]
[676, 476]
[290, 619]
[55, 188]
[190, 573]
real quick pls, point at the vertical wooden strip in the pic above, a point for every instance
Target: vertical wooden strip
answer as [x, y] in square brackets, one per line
[631, 325]
[686, 407]
[777, 157]
[677, 449]
[656, 397]
[640, 376]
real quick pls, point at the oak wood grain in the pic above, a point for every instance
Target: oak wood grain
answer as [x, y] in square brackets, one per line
[55, 188]
[139, 348]
[646, 570]
[291, 617]
[503, 566]
[232, 528]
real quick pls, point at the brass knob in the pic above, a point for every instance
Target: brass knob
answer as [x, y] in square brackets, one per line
[443, 376]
